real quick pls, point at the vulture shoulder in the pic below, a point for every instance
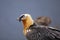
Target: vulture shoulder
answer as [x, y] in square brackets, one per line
[43, 33]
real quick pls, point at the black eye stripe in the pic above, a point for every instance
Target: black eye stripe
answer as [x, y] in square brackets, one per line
[22, 16]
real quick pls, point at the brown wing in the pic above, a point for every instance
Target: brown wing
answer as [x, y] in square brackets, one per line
[43, 20]
[43, 33]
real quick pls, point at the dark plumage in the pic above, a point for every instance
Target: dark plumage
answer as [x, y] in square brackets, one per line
[38, 30]
[43, 33]
[43, 20]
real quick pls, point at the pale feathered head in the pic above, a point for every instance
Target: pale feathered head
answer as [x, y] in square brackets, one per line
[26, 19]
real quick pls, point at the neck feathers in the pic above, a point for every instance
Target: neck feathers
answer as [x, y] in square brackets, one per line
[27, 23]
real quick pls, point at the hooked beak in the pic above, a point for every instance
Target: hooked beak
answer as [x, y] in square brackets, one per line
[19, 19]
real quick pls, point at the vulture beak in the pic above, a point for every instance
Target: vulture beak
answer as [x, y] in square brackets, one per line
[20, 18]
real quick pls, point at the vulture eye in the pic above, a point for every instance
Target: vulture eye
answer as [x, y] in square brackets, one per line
[22, 16]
